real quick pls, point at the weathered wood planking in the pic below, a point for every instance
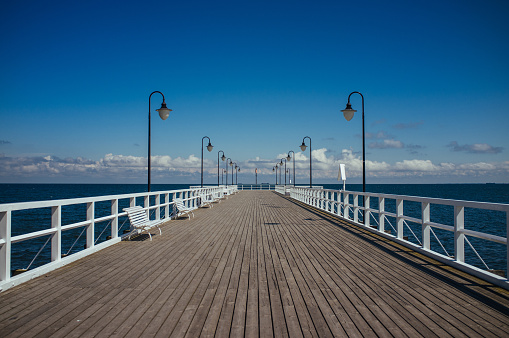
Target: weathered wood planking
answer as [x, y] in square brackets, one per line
[256, 265]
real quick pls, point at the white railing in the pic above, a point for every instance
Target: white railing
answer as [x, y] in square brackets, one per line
[226, 189]
[346, 205]
[54, 229]
[256, 186]
[286, 189]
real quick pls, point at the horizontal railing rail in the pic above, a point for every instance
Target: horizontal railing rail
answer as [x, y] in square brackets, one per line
[256, 186]
[357, 207]
[158, 203]
[268, 187]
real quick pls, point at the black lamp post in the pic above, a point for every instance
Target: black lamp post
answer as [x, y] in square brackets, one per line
[231, 165]
[209, 148]
[303, 147]
[289, 158]
[284, 158]
[237, 170]
[275, 169]
[222, 158]
[226, 168]
[164, 112]
[256, 176]
[348, 114]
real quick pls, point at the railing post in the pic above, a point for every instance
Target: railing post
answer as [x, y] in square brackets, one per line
[132, 201]
[399, 218]
[158, 209]
[146, 204]
[355, 208]
[114, 221]
[346, 205]
[366, 211]
[5, 249]
[425, 207]
[56, 238]
[167, 206]
[339, 203]
[381, 214]
[331, 202]
[91, 226]
[459, 238]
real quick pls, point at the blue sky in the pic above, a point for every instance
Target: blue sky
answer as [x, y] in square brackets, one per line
[256, 77]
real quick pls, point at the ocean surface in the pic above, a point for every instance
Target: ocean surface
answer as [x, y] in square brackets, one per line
[35, 252]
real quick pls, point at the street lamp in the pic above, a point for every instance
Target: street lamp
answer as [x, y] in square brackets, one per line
[256, 176]
[226, 168]
[348, 113]
[303, 147]
[231, 165]
[289, 158]
[284, 158]
[238, 169]
[209, 148]
[222, 158]
[164, 112]
[275, 169]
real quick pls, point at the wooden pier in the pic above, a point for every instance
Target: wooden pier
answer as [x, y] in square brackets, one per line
[257, 265]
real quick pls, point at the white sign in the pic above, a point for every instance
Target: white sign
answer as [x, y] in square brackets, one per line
[342, 173]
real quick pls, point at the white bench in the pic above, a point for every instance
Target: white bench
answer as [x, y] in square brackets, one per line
[206, 200]
[140, 221]
[182, 210]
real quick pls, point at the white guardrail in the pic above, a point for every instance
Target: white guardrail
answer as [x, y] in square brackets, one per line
[53, 228]
[345, 205]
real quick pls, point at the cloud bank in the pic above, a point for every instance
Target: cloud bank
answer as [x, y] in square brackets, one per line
[127, 168]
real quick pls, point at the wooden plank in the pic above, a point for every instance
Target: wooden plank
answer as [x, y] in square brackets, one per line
[252, 326]
[215, 313]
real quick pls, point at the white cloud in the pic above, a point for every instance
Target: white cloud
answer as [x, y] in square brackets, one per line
[386, 144]
[476, 148]
[415, 165]
[127, 167]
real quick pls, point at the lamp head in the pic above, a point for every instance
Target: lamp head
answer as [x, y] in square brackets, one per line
[348, 112]
[223, 158]
[303, 146]
[238, 169]
[209, 147]
[288, 158]
[281, 163]
[231, 164]
[164, 111]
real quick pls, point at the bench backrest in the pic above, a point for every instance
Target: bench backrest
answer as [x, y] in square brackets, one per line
[180, 204]
[137, 215]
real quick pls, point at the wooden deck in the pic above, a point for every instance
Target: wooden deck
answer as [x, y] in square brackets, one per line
[256, 265]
